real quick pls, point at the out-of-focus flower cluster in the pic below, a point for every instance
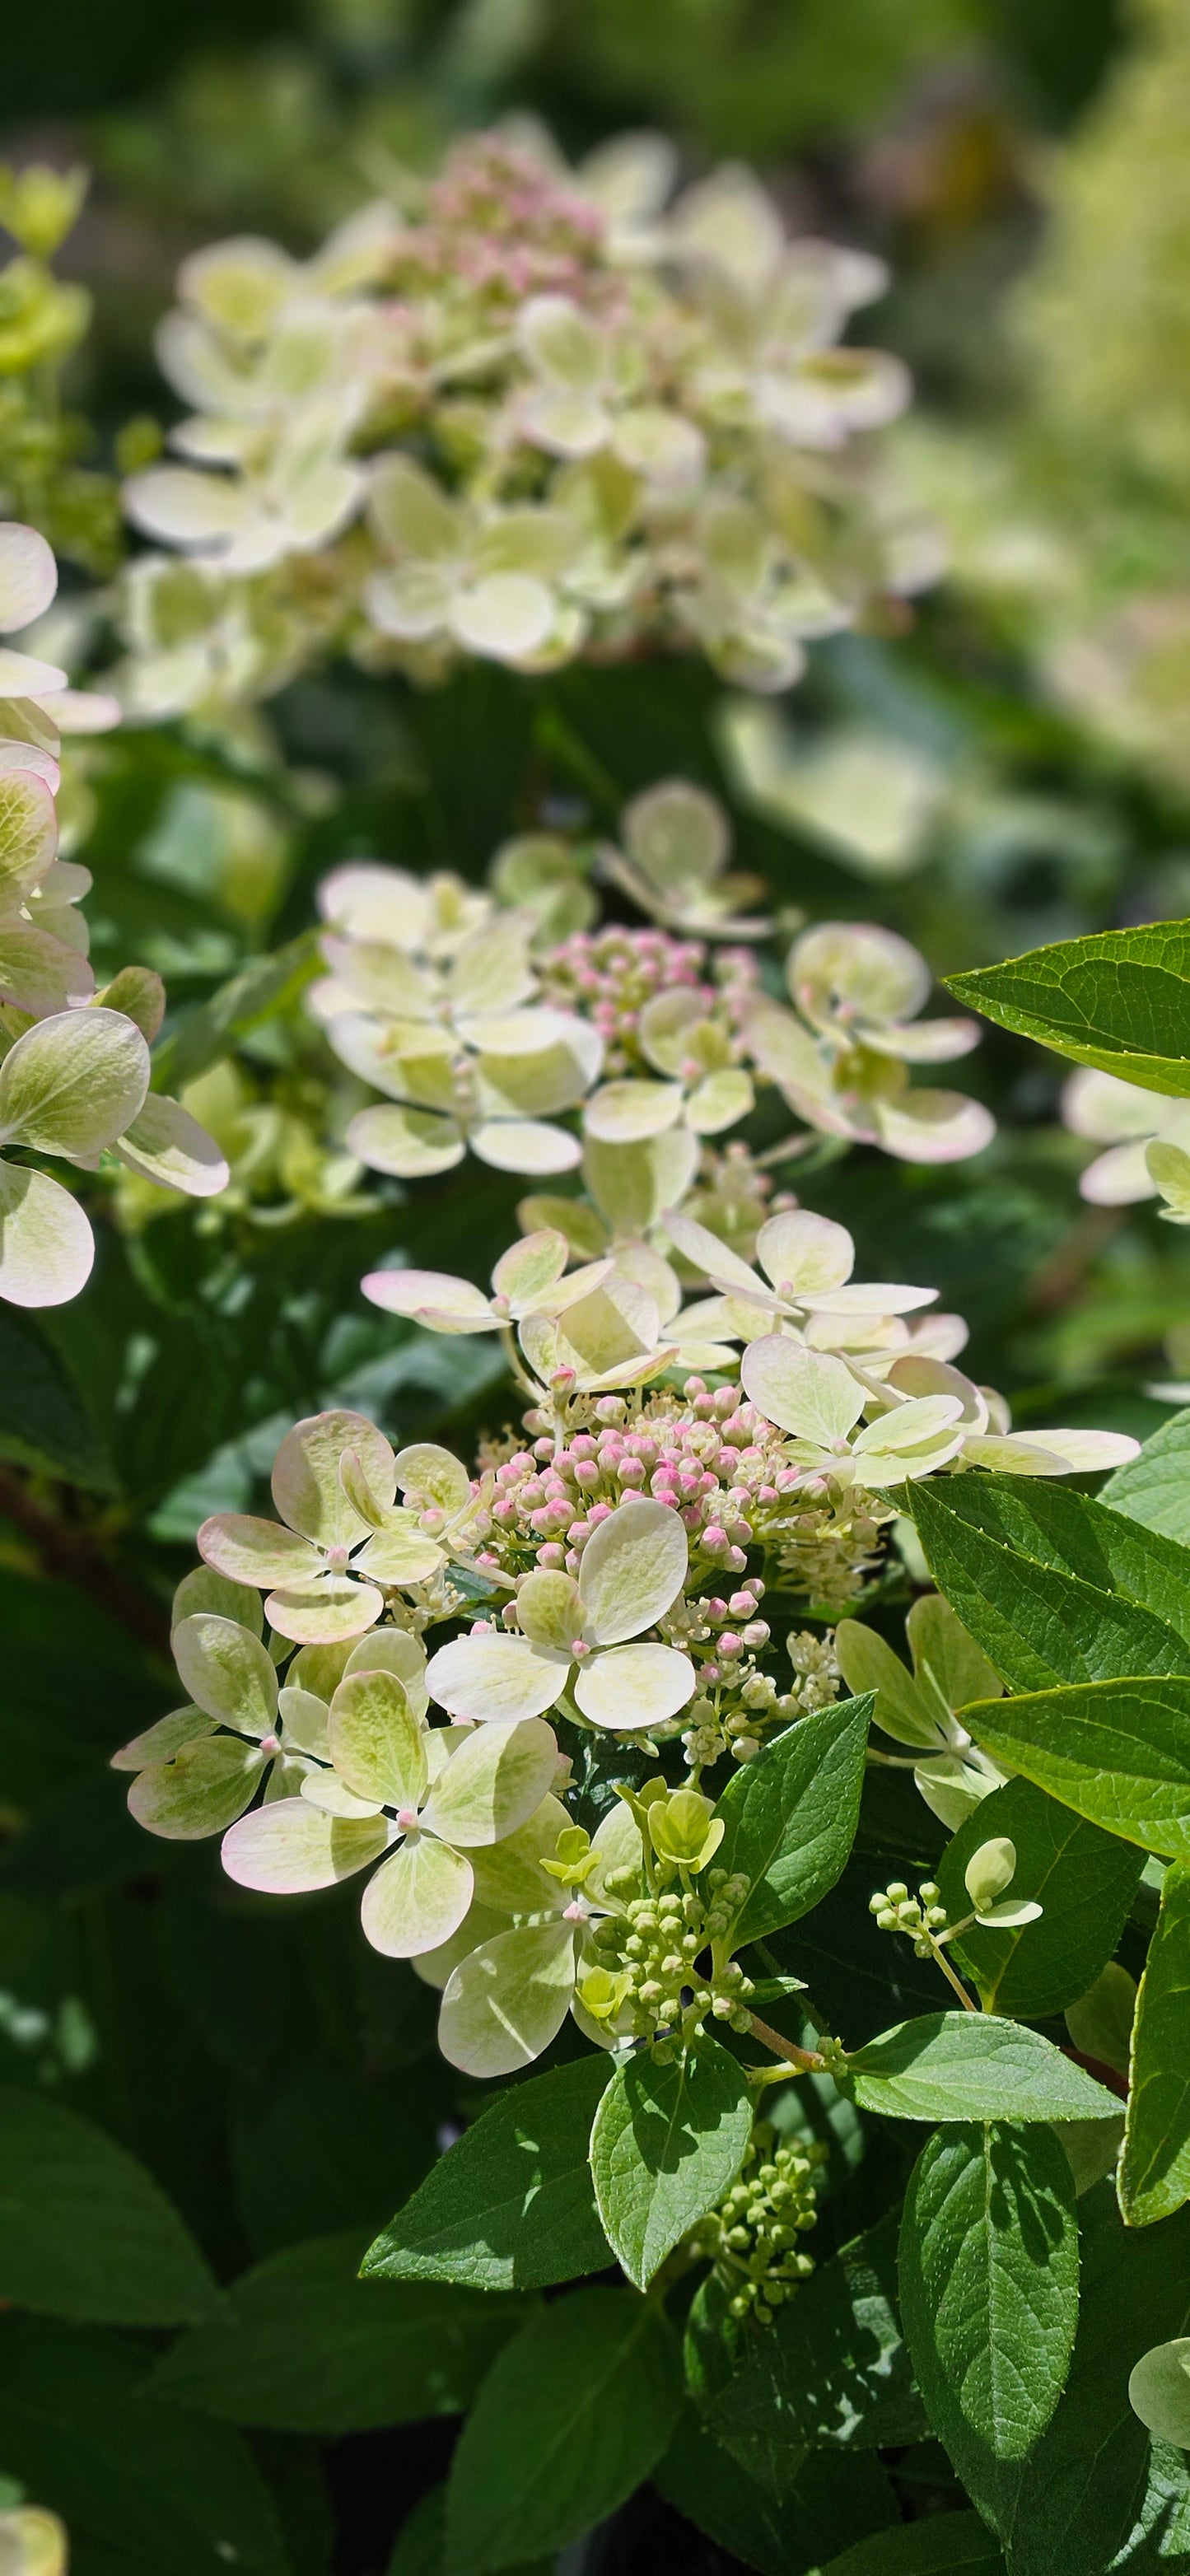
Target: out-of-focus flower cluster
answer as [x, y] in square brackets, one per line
[523, 414]
[74, 1063]
[42, 320]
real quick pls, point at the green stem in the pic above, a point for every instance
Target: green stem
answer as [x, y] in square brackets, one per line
[803, 2061]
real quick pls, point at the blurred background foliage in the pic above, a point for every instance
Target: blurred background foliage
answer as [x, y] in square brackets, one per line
[1006, 764]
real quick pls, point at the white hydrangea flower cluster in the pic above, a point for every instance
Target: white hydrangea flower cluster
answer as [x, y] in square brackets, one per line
[1147, 1140]
[522, 414]
[483, 1028]
[74, 1062]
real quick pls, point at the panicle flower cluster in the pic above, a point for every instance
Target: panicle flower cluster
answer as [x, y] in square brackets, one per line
[487, 1030]
[753, 2235]
[521, 414]
[74, 1063]
[1146, 1136]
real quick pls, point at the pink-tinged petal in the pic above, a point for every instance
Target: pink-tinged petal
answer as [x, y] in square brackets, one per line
[291, 1848]
[248, 1550]
[933, 1126]
[1121, 1177]
[325, 1612]
[28, 575]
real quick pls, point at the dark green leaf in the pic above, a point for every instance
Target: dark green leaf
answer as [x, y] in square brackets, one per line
[270, 986]
[1084, 2486]
[667, 2142]
[1119, 1000]
[511, 2205]
[84, 2230]
[972, 2066]
[570, 2418]
[831, 2369]
[1085, 1881]
[1039, 1621]
[944, 2544]
[421, 2542]
[145, 2488]
[831, 2501]
[1154, 1489]
[989, 2293]
[791, 1815]
[1154, 2177]
[1117, 1752]
[44, 1422]
[302, 2344]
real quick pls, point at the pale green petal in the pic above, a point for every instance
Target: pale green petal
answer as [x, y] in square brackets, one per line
[227, 1672]
[616, 1845]
[719, 1101]
[504, 618]
[565, 424]
[678, 835]
[206, 1786]
[1159, 2391]
[46, 1243]
[491, 970]
[377, 1745]
[706, 1252]
[291, 1848]
[417, 1899]
[494, 1783]
[183, 508]
[393, 1650]
[550, 1610]
[506, 2002]
[873, 972]
[867, 1663]
[492, 1676]
[805, 1392]
[306, 1484]
[625, 1112]
[810, 1253]
[409, 1143]
[326, 1791]
[204, 1589]
[304, 1721]
[480, 1923]
[166, 1145]
[632, 1570]
[160, 1742]
[933, 1126]
[990, 1870]
[561, 343]
[946, 1658]
[321, 1668]
[248, 1550]
[74, 1082]
[39, 973]
[908, 1425]
[411, 512]
[452, 1304]
[634, 1184]
[525, 1145]
[1046, 1453]
[435, 1474]
[325, 1612]
[531, 1267]
[28, 575]
[402, 1552]
[509, 1875]
[660, 446]
[635, 1686]
[28, 835]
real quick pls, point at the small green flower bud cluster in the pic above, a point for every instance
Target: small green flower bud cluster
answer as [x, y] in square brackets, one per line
[752, 2237]
[663, 1982]
[917, 1916]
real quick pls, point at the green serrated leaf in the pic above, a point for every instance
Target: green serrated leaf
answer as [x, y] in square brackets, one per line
[944, 2544]
[1118, 1752]
[1119, 1000]
[972, 2066]
[301, 2344]
[1084, 1880]
[85, 2232]
[832, 2370]
[1035, 1612]
[570, 2418]
[830, 2501]
[1154, 1489]
[1083, 2488]
[791, 1816]
[1154, 2174]
[512, 2204]
[667, 2142]
[989, 2295]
